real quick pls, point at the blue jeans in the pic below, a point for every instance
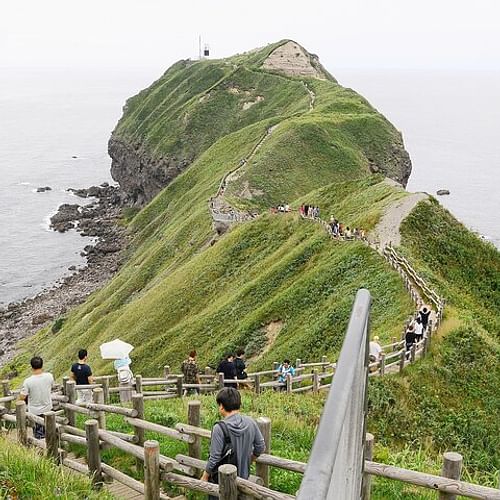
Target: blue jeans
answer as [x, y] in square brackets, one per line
[39, 431]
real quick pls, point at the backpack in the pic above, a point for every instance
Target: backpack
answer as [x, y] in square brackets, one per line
[124, 375]
[228, 455]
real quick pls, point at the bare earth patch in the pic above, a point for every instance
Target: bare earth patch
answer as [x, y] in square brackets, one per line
[272, 331]
[292, 60]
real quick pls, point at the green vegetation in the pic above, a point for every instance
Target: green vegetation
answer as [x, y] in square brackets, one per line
[184, 287]
[25, 474]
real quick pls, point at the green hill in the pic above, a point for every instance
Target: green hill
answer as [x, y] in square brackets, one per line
[278, 285]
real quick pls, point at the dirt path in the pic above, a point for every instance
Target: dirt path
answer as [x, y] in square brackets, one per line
[387, 230]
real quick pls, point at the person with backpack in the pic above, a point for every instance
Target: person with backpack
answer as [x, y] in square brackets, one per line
[125, 378]
[191, 373]
[236, 439]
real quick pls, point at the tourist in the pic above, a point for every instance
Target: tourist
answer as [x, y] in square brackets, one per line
[189, 369]
[375, 350]
[306, 210]
[82, 375]
[125, 378]
[424, 314]
[301, 209]
[240, 366]
[37, 390]
[316, 213]
[226, 366]
[341, 229]
[348, 234]
[287, 207]
[235, 440]
[283, 371]
[419, 329]
[410, 339]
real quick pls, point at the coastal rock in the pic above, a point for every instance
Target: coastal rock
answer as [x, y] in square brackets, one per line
[441, 192]
[41, 319]
[43, 189]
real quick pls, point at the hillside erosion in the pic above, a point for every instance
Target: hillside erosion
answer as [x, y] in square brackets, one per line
[167, 126]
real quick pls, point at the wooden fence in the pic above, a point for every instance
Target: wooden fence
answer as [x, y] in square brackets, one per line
[182, 471]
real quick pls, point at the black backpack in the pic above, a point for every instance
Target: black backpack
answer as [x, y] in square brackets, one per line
[228, 453]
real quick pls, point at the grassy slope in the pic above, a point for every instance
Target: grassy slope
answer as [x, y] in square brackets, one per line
[25, 474]
[450, 400]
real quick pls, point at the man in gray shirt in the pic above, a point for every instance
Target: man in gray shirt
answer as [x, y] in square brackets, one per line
[246, 439]
[37, 390]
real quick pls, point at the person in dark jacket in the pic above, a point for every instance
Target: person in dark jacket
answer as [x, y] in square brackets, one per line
[424, 314]
[226, 366]
[247, 442]
[410, 339]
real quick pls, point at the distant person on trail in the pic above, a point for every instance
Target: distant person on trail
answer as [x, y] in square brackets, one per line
[236, 439]
[226, 366]
[189, 369]
[283, 370]
[37, 390]
[240, 366]
[306, 210]
[410, 339]
[301, 209]
[348, 234]
[82, 375]
[424, 314]
[125, 378]
[419, 329]
[375, 350]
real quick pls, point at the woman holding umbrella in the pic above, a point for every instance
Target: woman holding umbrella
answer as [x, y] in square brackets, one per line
[119, 351]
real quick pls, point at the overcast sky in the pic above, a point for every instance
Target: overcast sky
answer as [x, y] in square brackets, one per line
[345, 34]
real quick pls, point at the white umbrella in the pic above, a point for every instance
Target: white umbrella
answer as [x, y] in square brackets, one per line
[116, 349]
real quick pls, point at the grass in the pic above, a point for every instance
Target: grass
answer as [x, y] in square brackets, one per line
[24, 474]
[183, 288]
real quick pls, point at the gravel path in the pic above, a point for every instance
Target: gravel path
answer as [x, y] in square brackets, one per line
[387, 230]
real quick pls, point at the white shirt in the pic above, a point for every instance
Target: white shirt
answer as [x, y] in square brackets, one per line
[419, 328]
[38, 388]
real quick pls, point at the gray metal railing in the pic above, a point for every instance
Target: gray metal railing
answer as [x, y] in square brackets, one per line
[335, 467]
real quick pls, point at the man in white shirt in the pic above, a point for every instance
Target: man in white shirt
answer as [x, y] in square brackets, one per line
[37, 390]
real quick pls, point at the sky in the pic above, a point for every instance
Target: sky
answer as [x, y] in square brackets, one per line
[155, 33]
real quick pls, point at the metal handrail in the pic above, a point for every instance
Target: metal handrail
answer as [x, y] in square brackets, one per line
[335, 466]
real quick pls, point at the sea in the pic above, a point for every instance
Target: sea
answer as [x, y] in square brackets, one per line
[55, 125]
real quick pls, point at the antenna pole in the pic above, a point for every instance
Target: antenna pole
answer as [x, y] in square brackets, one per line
[199, 47]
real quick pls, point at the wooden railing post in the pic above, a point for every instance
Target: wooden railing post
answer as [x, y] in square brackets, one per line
[382, 364]
[412, 353]
[98, 397]
[51, 436]
[221, 381]
[22, 434]
[452, 466]
[315, 382]
[264, 424]
[71, 393]
[152, 470]
[6, 392]
[228, 489]
[256, 379]
[138, 384]
[105, 390]
[139, 433]
[289, 383]
[366, 487]
[179, 385]
[402, 359]
[324, 359]
[298, 362]
[64, 382]
[194, 419]
[393, 342]
[166, 373]
[93, 452]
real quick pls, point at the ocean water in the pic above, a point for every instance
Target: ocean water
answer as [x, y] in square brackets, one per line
[450, 124]
[46, 118]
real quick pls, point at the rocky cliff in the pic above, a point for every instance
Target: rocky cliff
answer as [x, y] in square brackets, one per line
[196, 103]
